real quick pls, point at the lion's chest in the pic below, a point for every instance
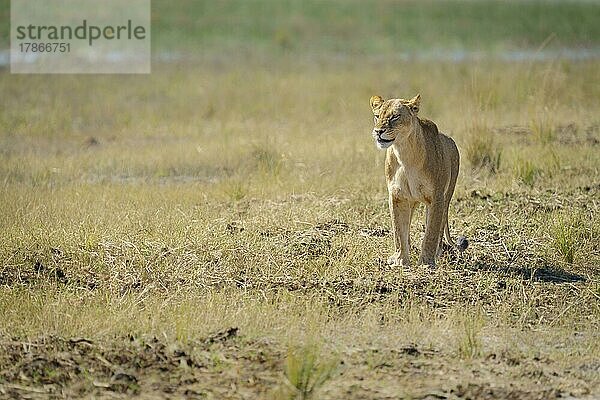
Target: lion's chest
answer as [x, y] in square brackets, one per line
[410, 185]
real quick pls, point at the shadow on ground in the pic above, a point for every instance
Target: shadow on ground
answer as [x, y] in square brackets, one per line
[543, 274]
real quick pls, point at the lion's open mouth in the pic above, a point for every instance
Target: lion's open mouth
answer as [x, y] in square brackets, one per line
[381, 140]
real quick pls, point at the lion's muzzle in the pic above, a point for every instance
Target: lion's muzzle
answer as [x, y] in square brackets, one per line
[382, 142]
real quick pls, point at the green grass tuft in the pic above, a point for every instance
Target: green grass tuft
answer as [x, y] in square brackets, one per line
[567, 236]
[469, 339]
[307, 370]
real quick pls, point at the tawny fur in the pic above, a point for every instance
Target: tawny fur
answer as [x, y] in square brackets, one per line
[421, 166]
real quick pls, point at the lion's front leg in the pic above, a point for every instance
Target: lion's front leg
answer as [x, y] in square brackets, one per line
[433, 232]
[400, 211]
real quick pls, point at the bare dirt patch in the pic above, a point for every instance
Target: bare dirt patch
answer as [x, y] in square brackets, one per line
[226, 365]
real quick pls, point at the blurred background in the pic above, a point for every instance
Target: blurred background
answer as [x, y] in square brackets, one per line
[351, 28]
[196, 29]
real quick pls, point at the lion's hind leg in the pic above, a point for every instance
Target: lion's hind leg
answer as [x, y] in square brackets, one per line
[433, 232]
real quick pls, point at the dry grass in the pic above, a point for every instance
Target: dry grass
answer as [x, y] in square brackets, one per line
[483, 153]
[202, 198]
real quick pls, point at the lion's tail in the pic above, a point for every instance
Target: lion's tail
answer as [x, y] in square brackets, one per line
[461, 243]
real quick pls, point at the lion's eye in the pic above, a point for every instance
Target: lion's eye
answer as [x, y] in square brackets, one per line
[395, 118]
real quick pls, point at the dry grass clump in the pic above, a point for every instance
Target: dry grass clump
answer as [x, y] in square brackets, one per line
[235, 189]
[542, 129]
[267, 159]
[469, 338]
[526, 171]
[483, 153]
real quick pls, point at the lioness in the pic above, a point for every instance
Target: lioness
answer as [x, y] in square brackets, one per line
[421, 165]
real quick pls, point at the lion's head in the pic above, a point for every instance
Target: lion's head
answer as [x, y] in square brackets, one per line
[393, 118]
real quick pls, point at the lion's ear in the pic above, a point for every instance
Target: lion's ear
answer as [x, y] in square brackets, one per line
[415, 103]
[376, 102]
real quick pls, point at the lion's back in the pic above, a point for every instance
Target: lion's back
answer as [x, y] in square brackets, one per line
[434, 139]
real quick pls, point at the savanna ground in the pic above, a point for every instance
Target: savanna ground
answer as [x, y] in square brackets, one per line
[218, 229]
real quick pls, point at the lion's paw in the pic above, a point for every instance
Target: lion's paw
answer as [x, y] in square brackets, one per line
[397, 261]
